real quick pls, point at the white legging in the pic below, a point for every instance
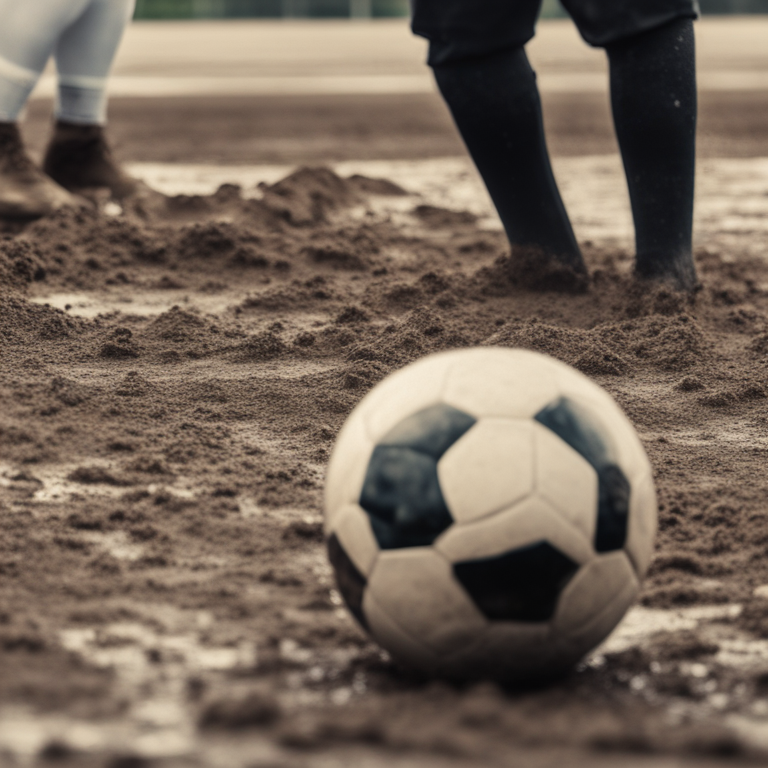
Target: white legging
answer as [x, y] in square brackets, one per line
[83, 35]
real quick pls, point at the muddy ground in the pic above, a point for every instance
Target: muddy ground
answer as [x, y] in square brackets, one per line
[164, 592]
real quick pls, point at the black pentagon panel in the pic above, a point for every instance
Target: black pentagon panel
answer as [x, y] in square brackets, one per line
[575, 425]
[613, 509]
[350, 581]
[431, 431]
[401, 491]
[521, 585]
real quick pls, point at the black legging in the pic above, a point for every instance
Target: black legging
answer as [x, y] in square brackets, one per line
[653, 95]
[496, 106]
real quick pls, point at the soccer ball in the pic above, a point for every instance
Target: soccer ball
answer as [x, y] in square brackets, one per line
[489, 514]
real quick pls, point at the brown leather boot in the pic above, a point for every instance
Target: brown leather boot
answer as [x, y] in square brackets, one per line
[78, 157]
[25, 191]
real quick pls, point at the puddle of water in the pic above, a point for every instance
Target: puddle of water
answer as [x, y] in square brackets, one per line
[752, 730]
[641, 624]
[51, 483]
[712, 693]
[115, 543]
[744, 652]
[159, 722]
[128, 649]
[24, 733]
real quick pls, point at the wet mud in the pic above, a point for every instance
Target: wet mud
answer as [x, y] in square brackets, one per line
[165, 596]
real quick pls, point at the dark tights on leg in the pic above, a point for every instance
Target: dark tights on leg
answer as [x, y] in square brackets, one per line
[496, 106]
[495, 103]
[653, 95]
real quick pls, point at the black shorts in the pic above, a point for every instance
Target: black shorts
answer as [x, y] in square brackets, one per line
[464, 28]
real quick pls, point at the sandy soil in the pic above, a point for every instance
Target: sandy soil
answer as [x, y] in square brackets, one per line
[173, 376]
[164, 586]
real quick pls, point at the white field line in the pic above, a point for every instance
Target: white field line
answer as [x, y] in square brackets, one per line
[357, 85]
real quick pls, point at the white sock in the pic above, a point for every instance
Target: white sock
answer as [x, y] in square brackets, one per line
[82, 100]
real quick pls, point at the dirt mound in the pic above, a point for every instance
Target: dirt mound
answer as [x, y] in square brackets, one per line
[308, 195]
[179, 333]
[84, 249]
[529, 268]
[20, 263]
[669, 344]
[585, 350]
[22, 322]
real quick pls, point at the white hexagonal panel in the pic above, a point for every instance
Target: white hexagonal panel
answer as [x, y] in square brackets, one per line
[581, 611]
[416, 589]
[491, 381]
[643, 522]
[394, 639]
[352, 526]
[566, 480]
[529, 522]
[488, 469]
[404, 393]
[575, 645]
[346, 469]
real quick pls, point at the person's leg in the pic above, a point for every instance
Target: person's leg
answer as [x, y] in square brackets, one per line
[78, 156]
[84, 55]
[495, 103]
[28, 34]
[477, 55]
[650, 49]
[653, 95]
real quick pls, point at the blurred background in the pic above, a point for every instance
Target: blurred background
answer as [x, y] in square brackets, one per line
[231, 9]
[284, 82]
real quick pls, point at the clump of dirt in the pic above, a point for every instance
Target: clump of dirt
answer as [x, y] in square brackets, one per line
[583, 349]
[261, 346]
[669, 343]
[20, 263]
[530, 268]
[308, 195]
[380, 351]
[439, 218]
[22, 322]
[345, 250]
